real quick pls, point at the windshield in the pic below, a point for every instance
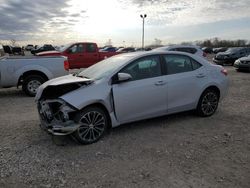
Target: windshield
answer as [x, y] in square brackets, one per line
[62, 49]
[103, 68]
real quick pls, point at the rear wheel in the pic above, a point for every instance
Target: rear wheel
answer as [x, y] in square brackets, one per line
[208, 103]
[93, 125]
[31, 84]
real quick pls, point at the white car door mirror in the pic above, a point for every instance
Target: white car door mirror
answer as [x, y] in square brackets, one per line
[122, 77]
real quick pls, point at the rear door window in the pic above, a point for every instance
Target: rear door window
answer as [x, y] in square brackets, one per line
[90, 48]
[180, 63]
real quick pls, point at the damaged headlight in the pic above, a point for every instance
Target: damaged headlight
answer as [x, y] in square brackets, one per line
[55, 109]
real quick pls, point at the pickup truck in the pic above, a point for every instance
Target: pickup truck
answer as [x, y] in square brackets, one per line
[30, 72]
[80, 55]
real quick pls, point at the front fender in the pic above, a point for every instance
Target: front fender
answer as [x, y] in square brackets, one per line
[85, 96]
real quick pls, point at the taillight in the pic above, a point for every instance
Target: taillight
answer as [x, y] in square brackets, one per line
[66, 65]
[224, 71]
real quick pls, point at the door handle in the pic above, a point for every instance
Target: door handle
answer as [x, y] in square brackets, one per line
[160, 83]
[201, 75]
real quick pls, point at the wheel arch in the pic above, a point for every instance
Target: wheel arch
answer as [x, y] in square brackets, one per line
[210, 87]
[32, 72]
[104, 108]
[214, 88]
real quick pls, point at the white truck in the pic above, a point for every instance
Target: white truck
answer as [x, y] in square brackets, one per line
[30, 72]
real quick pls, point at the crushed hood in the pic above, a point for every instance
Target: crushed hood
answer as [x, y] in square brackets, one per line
[59, 86]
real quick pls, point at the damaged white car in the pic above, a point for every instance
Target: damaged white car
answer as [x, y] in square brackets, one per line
[126, 88]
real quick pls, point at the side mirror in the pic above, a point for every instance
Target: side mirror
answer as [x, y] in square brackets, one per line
[123, 77]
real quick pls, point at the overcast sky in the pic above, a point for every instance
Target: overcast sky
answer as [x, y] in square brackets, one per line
[171, 21]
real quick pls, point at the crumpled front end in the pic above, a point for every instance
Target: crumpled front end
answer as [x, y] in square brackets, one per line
[56, 116]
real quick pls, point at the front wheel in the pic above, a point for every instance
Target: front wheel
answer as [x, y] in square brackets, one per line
[93, 125]
[31, 84]
[208, 103]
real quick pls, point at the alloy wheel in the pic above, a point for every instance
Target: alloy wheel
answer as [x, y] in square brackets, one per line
[92, 126]
[209, 103]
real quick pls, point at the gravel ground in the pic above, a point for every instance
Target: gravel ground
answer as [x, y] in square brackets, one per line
[180, 150]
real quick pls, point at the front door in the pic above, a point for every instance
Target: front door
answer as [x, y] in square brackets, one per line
[145, 95]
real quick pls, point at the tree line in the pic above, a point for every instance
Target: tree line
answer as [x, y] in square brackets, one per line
[216, 42]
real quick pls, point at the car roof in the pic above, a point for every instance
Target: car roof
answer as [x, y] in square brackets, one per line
[177, 46]
[139, 54]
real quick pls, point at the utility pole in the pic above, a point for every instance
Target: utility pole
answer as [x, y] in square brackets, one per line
[143, 18]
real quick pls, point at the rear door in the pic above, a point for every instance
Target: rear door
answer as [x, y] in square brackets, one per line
[185, 79]
[75, 55]
[91, 55]
[145, 95]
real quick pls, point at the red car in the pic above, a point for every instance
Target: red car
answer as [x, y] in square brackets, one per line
[80, 55]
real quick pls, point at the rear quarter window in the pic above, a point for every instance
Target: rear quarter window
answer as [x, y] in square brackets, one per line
[195, 64]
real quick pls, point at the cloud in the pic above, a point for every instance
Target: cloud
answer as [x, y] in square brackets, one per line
[191, 12]
[23, 19]
[76, 20]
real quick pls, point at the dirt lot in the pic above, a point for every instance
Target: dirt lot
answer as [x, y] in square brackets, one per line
[180, 150]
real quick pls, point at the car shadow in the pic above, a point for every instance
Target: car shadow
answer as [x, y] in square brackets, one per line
[243, 71]
[153, 122]
[130, 128]
[12, 92]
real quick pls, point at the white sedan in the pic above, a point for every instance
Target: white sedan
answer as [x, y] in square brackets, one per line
[129, 87]
[192, 49]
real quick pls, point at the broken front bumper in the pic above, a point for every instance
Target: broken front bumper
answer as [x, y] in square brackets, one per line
[56, 117]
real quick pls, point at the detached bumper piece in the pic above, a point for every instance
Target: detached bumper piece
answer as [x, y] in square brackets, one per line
[56, 117]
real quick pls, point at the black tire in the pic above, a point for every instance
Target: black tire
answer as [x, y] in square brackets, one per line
[93, 126]
[208, 103]
[31, 84]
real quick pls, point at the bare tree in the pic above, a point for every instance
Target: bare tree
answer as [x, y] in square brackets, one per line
[158, 42]
[13, 42]
[109, 43]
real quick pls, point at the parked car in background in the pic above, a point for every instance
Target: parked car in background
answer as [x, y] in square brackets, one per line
[81, 54]
[1, 50]
[36, 46]
[129, 87]
[44, 48]
[29, 47]
[13, 50]
[108, 49]
[230, 56]
[221, 49]
[196, 50]
[207, 50]
[7, 49]
[125, 50]
[17, 50]
[30, 72]
[243, 63]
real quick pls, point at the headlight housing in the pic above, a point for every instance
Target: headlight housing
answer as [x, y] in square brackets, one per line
[55, 109]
